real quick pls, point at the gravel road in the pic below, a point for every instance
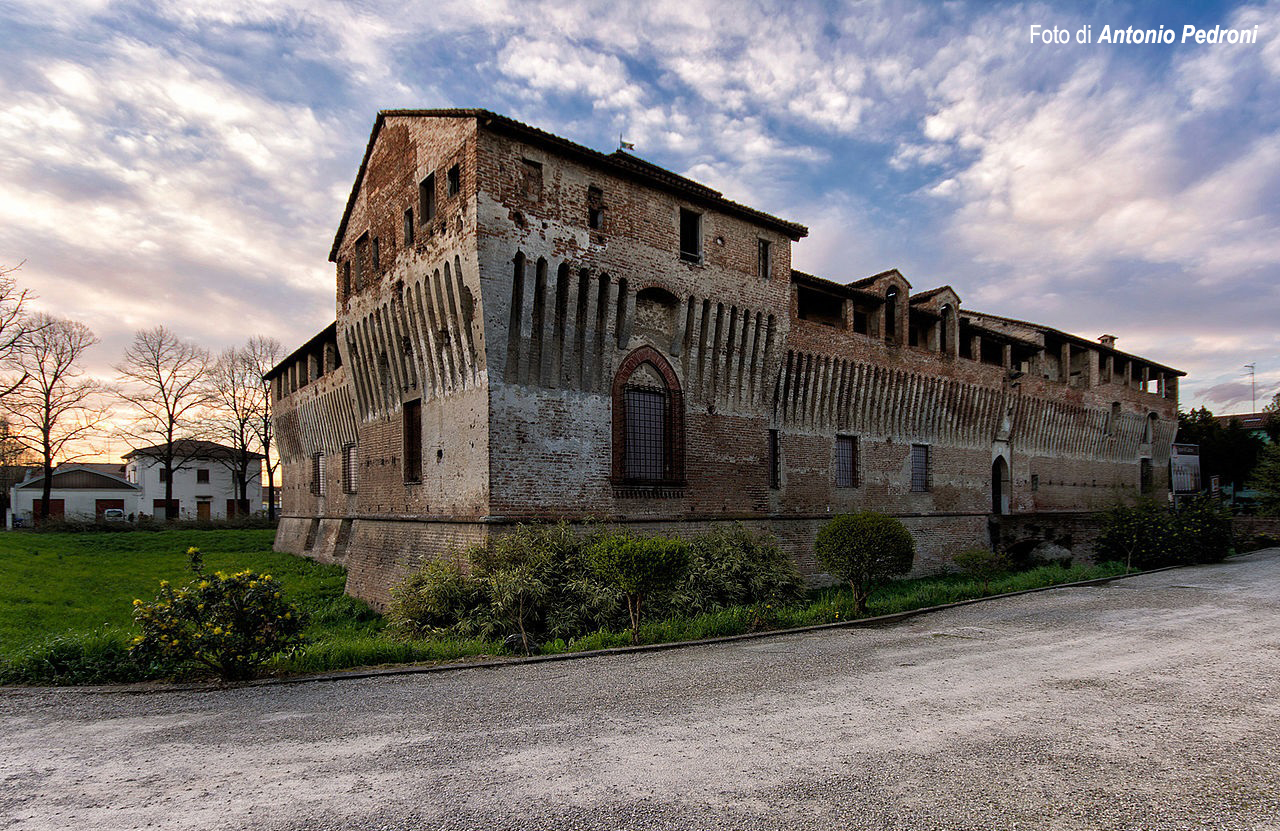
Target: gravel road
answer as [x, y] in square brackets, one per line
[1150, 703]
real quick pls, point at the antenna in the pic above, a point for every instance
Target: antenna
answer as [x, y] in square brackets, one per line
[1253, 385]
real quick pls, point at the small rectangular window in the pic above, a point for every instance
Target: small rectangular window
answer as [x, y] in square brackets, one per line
[690, 235]
[531, 182]
[764, 266]
[775, 461]
[595, 208]
[1035, 482]
[361, 258]
[346, 278]
[317, 474]
[164, 474]
[920, 467]
[846, 462]
[427, 199]
[408, 226]
[453, 181]
[1145, 483]
[412, 413]
[349, 468]
[202, 476]
[377, 255]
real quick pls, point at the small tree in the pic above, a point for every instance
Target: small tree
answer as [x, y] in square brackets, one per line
[238, 402]
[57, 407]
[15, 327]
[864, 549]
[982, 564]
[230, 623]
[640, 568]
[164, 380]
[1140, 536]
[260, 355]
[1266, 479]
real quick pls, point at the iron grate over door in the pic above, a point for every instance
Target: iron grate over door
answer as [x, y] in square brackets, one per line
[645, 437]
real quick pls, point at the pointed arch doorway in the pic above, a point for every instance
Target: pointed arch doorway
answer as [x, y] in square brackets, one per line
[1000, 486]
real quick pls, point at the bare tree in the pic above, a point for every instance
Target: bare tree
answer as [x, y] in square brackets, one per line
[58, 407]
[164, 379]
[238, 403]
[16, 460]
[260, 355]
[15, 326]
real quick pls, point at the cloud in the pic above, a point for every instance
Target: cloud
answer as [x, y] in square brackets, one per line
[186, 162]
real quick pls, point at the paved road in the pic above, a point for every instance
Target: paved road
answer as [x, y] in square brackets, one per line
[1149, 703]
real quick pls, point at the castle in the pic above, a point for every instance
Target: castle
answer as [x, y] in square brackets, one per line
[528, 329]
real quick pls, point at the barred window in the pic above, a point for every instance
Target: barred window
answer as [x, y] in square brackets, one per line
[648, 425]
[349, 468]
[846, 462]
[919, 467]
[645, 451]
[317, 474]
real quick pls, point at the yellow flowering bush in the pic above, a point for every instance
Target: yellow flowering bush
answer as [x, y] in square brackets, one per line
[230, 623]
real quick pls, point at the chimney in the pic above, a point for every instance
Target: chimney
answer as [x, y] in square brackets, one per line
[1108, 341]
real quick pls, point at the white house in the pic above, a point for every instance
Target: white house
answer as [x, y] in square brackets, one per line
[203, 480]
[80, 491]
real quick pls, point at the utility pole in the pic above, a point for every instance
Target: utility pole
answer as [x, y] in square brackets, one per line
[1253, 385]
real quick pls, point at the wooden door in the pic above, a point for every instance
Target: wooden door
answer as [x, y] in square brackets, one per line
[203, 510]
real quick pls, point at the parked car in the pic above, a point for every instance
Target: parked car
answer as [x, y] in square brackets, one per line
[113, 515]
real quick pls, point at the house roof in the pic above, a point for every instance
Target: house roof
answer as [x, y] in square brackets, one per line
[618, 163]
[803, 278]
[79, 477]
[1249, 421]
[191, 449]
[922, 296]
[113, 468]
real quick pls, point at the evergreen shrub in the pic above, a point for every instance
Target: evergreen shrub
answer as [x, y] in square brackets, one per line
[864, 549]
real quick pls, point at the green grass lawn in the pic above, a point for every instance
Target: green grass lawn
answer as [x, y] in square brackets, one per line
[66, 604]
[55, 583]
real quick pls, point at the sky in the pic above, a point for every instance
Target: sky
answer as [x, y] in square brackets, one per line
[187, 163]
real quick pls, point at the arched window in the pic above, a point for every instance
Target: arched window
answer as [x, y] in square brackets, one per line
[648, 422]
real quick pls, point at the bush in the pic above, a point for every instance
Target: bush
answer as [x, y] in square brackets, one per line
[1140, 536]
[434, 599]
[864, 549]
[533, 583]
[98, 657]
[982, 564]
[731, 566]
[640, 567]
[1150, 536]
[231, 624]
[1202, 531]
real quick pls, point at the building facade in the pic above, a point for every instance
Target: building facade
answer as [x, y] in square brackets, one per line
[80, 492]
[204, 481]
[528, 329]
